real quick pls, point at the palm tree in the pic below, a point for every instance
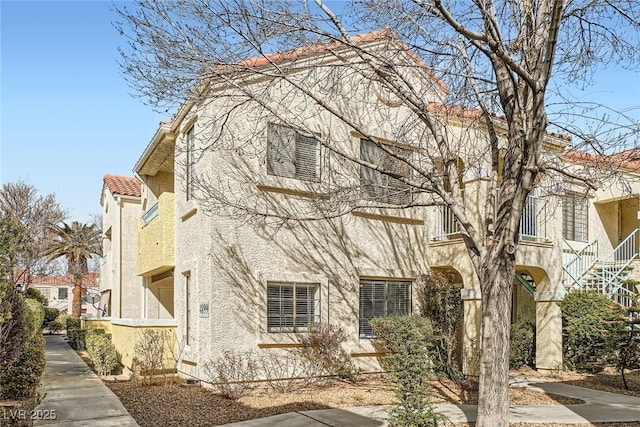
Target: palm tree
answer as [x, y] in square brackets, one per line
[76, 243]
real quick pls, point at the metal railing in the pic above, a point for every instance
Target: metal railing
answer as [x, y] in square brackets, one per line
[533, 222]
[150, 215]
[614, 269]
[580, 264]
[446, 225]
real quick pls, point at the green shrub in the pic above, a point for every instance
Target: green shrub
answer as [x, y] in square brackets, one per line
[409, 343]
[72, 322]
[14, 326]
[35, 315]
[102, 353]
[76, 338]
[50, 316]
[522, 346]
[586, 330]
[439, 300]
[33, 293]
[96, 331]
[21, 379]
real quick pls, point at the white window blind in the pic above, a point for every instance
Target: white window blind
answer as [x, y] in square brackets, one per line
[190, 169]
[292, 307]
[377, 186]
[381, 298]
[291, 154]
[575, 217]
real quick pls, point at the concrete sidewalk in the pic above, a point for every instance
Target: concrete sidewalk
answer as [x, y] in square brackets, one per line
[75, 393]
[599, 406]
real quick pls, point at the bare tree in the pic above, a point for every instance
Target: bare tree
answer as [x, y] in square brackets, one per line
[498, 70]
[21, 204]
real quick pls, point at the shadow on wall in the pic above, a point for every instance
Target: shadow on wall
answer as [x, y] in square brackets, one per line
[337, 249]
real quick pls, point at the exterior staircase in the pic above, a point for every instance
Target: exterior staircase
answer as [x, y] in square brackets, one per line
[609, 275]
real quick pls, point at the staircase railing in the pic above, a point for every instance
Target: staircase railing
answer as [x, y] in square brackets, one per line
[615, 264]
[582, 261]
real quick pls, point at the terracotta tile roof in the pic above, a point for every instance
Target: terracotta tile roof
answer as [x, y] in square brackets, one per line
[321, 48]
[629, 159]
[123, 185]
[90, 279]
[475, 113]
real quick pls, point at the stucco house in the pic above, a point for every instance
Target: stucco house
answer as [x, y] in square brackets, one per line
[224, 279]
[59, 292]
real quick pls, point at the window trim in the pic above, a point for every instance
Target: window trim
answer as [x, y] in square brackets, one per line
[387, 282]
[190, 164]
[390, 188]
[579, 224]
[299, 138]
[315, 313]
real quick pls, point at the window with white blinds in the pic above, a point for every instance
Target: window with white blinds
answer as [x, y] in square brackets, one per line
[377, 186]
[190, 166]
[291, 154]
[575, 217]
[380, 298]
[292, 307]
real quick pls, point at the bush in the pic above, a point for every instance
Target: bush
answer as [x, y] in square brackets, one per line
[152, 353]
[323, 353]
[21, 379]
[35, 315]
[76, 338]
[439, 300]
[33, 293]
[102, 353]
[409, 341]
[72, 322]
[586, 330]
[232, 373]
[522, 346]
[50, 316]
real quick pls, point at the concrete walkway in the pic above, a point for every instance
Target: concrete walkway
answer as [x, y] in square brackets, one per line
[599, 406]
[75, 393]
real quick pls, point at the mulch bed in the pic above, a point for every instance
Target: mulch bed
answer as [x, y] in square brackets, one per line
[173, 404]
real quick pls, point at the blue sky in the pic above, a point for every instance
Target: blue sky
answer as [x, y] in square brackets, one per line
[67, 116]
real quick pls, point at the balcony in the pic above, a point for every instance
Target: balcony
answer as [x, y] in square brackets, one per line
[156, 237]
[533, 223]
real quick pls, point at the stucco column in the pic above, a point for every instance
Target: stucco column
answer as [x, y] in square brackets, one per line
[548, 331]
[472, 301]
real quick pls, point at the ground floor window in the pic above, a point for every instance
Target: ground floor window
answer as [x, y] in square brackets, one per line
[380, 298]
[292, 307]
[63, 293]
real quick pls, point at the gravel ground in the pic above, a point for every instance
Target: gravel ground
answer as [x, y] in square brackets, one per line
[177, 405]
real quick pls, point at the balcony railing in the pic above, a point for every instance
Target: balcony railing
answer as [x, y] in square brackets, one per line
[533, 223]
[150, 215]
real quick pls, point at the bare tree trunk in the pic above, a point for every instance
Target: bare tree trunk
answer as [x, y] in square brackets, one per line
[77, 297]
[496, 281]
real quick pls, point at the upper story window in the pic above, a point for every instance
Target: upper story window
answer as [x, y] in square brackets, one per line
[63, 293]
[190, 163]
[575, 217]
[377, 186]
[291, 154]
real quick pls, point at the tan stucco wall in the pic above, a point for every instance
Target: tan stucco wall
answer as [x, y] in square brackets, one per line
[97, 324]
[118, 272]
[127, 332]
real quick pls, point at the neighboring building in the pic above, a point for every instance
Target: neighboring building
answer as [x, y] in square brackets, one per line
[224, 282]
[59, 292]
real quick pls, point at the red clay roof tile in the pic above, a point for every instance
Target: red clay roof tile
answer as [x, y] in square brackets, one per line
[123, 185]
